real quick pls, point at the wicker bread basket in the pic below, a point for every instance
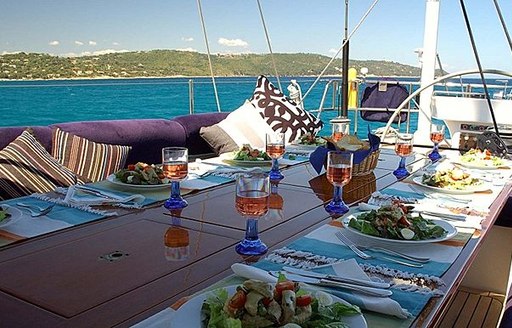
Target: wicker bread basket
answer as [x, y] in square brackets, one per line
[359, 187]
[367, 165]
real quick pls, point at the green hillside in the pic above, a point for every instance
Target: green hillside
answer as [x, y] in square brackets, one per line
[164, 63]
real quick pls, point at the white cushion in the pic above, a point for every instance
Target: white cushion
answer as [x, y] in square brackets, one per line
[245, 125]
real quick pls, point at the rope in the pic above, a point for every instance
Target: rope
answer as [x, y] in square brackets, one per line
[480, 70]
[209, 56]
[269, 45]
[498, 10]
[340, 49]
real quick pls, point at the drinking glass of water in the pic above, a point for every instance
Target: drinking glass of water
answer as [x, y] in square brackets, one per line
[274, 146]
[403, 148]
[252, 202]
[175, 168]
[339, 173]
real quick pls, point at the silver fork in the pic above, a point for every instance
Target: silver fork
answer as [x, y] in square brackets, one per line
[341, 237]
[35, 210]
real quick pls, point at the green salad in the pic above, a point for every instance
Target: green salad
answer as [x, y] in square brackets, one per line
[3, 214]
[479, 157]
[247, 153]
[395, 222]
[311, 139]
[260, 304]
[453, 179]
[141, 174]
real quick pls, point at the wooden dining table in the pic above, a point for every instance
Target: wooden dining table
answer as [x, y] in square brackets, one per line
[122, 269]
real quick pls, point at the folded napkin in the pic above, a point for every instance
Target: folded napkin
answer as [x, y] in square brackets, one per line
[88, 195]
[318, 157]
[350, 269]
[28, 226]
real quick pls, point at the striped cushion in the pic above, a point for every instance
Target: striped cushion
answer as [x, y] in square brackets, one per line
[91, 160]
[26, 167]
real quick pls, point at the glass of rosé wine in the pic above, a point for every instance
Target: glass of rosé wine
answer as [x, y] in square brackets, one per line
[339, 129]
[339, 173]
[403, 148]
[175, 168]
[436, 135]
[274, 146]
[252, 202]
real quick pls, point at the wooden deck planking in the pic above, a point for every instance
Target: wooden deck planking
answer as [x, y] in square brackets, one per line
[472, 308]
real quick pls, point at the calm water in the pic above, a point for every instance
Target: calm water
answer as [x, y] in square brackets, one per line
[29, 103]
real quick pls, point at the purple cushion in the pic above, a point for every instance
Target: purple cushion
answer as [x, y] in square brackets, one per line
[192, 124]
[42, 133]
[147, 137]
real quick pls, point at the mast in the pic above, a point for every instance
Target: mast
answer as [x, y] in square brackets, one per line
[428, 67]
[344, 68]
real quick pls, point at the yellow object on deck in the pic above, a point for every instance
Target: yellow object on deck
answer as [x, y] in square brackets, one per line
[352, 88]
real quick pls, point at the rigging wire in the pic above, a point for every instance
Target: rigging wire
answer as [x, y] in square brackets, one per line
[480, 70]
[498, 10]
[339, 50]
[200, 10]
[269, 45]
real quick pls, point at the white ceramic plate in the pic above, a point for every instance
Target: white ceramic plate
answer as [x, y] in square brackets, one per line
[452, 231]
[471, 165]
[468, 190]
[189, 314]
[15, 213]
[112, 179]
[247, 163]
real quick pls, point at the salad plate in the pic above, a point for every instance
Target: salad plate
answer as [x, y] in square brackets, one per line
[189, 314]
[467, 190]
[112, 179]
[247, 163]
[451, 232]
[15, 215]
[482, 160]
[481, 165]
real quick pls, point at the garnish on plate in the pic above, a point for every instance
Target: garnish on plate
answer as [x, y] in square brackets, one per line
[247, 153]
[3, 214]
[311, 140]
[141, 174]
[260, 304]
[479, 157]
[451, 179]
[396, 222]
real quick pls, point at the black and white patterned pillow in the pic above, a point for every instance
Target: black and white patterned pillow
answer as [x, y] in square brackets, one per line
[281, 113]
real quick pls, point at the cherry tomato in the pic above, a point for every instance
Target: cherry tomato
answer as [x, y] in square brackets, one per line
[238, 300]
[131, 167]
[403, 221]
[266, 301]
[303, 300]
[283, 285]
[255, 153]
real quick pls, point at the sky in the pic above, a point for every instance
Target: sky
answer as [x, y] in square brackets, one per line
[392, 31]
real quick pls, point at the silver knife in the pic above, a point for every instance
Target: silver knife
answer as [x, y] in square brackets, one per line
[94, 192]
[378, 292]
[354, 281]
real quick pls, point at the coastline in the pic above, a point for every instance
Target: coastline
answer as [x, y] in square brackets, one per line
[371, 76]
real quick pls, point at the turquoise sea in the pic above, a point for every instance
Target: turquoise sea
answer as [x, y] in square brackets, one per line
[31, 103]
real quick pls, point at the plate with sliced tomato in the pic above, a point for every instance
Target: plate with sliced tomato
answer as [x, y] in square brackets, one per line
[190, 314]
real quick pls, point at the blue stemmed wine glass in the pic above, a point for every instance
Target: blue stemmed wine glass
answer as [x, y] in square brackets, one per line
[403, 148]
[252, 202]
[436, 135]
[175, 167]
[339, 173]
[274, 146]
